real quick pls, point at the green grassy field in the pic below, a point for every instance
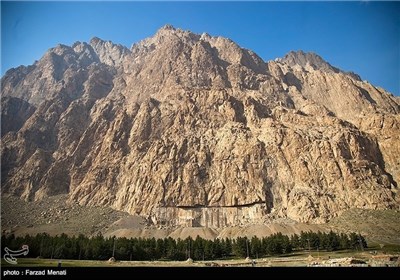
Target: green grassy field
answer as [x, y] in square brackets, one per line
[303, 258]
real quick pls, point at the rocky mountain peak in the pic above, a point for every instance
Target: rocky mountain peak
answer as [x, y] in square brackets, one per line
[313, 61]
[109, 53]
[308, 59]
[183, 59]
[95, 40]
[167, 27]
[170, 37]
[189, 129]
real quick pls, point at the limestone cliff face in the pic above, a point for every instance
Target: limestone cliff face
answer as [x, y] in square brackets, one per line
[371, 109]
[188, 129]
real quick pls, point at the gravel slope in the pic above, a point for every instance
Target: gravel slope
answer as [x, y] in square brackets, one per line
[55, 216]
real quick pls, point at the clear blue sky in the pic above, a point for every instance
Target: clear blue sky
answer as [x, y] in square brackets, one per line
[363, 37]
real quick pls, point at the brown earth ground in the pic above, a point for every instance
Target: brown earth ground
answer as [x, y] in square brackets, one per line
[54, 216]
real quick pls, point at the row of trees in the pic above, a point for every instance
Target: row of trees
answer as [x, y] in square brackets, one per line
[102, 248]
[328, 241]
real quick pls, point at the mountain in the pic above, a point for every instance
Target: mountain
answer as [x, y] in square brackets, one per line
[193, 130]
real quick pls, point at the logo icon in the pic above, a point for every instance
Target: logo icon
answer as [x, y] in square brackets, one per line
[10, 255]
